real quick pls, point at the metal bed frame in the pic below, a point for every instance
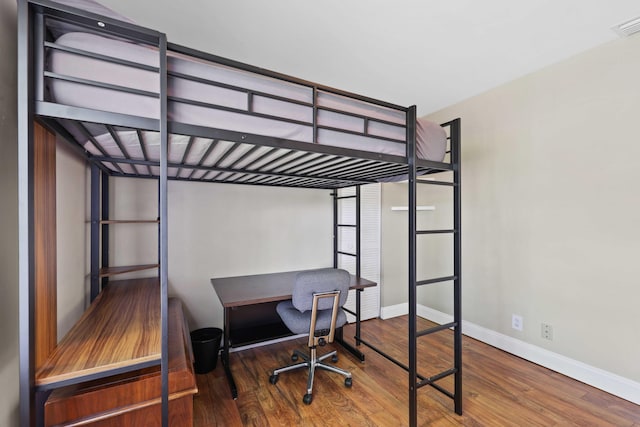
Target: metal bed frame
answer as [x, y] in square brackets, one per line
[286, 163]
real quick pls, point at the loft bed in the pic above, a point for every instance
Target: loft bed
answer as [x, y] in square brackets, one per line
[136, 106]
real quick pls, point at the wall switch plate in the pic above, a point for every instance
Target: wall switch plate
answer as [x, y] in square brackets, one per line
[547, 331]
[516, 322]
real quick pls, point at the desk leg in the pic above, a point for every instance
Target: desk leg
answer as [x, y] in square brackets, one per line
[340, 337]
[225, 354]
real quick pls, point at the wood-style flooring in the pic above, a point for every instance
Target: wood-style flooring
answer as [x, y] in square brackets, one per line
[499, 389]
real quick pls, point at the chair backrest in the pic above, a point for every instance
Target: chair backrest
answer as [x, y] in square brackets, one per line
[311, 282]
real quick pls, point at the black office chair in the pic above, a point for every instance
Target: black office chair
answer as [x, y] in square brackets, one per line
[316, 309]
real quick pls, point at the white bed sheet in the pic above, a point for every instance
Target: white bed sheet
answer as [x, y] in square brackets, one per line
[382, 122]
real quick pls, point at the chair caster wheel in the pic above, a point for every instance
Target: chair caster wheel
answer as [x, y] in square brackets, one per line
[348, 382]
[307, 398]
[334, 358]
[273, 379]
[294, 357]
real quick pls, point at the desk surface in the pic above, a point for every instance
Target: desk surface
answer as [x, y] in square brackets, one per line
[247, 290]
[119, 330]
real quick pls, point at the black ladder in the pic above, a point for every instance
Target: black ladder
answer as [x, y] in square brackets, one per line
[416, 380]
[337, 198]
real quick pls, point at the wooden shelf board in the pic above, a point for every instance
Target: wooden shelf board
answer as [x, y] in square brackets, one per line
[112, 271]
[120, 329]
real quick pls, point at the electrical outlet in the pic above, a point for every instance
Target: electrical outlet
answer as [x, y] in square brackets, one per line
[547, 331]
[516, 322]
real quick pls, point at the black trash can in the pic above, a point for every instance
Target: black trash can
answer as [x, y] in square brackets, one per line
[206, 344]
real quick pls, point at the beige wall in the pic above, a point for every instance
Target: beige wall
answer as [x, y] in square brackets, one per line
[72, 228]
[222, 230]
[551, 210]
[434, 252]
[8, 217]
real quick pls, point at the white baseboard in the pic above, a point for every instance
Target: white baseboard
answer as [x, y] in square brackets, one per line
[394, 311]
[596, 377]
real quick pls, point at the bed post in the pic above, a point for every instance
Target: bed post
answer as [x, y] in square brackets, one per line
[454, 134]
[163, 238]
[104, 216]
[334, 194]
[358, 236]
[25, 217]
[95, 231]
[413, 375]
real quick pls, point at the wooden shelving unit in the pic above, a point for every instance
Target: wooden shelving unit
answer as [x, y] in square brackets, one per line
[100, 225]
[132, 397]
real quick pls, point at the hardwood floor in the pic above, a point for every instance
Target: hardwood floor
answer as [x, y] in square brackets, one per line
[499, 389]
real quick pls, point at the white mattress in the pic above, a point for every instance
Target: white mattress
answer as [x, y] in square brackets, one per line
[381, 121]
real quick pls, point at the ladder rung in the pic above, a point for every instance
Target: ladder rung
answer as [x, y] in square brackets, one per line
[447, 183]
[347, 253]
[436, 231]
[346, 197]
[436, 280]
[346, 225]
[441, 375]
[436, 329]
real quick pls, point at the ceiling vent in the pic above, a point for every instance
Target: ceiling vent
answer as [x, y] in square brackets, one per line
[628, 28]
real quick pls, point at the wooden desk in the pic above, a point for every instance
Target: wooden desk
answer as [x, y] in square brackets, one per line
[115, 378]
[119, 332]
[249, 311]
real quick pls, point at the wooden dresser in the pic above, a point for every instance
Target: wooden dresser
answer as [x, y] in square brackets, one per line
[120, 328]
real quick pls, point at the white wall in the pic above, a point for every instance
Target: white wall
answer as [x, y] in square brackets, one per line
[8, 217]
[222, 230]
[550, 207]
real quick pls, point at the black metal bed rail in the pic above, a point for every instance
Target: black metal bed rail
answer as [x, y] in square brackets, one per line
[102, 85]
[93, 55]
[94, 23]
[279, 76]
[254, 139]
[349, 181]
[78, 114]
[313, 106]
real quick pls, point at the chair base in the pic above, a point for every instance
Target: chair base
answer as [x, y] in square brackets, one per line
[311, 362]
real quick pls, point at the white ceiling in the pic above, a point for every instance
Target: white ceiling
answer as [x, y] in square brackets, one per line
[431, 53]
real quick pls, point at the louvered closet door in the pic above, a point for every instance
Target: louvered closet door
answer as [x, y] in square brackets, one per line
[369, 244]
